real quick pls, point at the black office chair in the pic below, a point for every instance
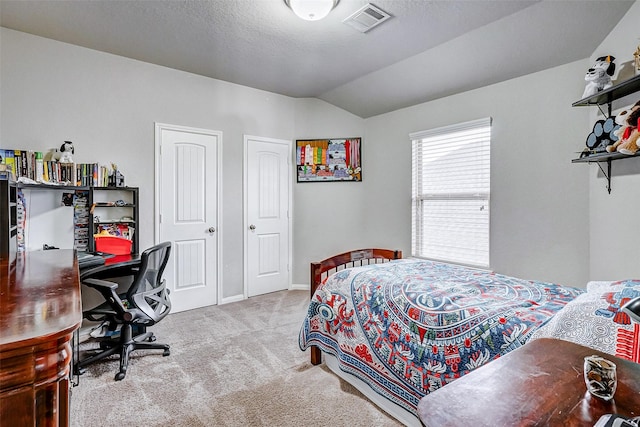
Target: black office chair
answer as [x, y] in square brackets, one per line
[145, 303]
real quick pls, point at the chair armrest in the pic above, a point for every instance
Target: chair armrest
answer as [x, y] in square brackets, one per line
[100, 284]
[108, 291]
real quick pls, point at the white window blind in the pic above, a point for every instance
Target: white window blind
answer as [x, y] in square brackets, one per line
[450, 194]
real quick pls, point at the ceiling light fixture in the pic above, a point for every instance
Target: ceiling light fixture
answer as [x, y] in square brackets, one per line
[311, 10]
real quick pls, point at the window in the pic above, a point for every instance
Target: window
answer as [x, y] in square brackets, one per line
[450, 195]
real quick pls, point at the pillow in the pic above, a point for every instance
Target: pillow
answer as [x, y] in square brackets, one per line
[594, 320]
[601, 286]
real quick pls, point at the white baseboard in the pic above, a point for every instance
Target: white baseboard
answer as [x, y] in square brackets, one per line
[240, 297]
[234, 298]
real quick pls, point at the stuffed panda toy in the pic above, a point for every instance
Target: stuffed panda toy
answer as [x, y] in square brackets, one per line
[598, 77]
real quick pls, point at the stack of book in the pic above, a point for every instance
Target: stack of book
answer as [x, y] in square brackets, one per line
[81, 220]
[15, 164]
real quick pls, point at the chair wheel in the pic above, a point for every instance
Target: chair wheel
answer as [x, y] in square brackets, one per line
[166, 352]
[152, 338]
[119, 376]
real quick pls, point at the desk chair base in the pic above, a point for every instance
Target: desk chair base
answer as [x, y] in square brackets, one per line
[123, 346]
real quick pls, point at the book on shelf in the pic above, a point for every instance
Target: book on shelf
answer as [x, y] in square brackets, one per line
[21, 162]
[39, 166]
[10, 162]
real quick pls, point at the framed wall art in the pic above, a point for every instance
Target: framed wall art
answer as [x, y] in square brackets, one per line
[329, 160]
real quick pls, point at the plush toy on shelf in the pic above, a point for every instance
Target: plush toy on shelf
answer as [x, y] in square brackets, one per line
[598, 77]
[629, 132]
[66, 152]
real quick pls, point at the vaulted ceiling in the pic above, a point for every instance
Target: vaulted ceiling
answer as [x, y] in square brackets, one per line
[427, 50]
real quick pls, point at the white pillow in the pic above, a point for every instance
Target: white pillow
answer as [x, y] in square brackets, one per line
[594, 320]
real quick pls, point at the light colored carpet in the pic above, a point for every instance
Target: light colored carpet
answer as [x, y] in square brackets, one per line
[232, 365]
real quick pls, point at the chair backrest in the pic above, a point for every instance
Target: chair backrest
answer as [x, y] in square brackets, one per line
[148, 291]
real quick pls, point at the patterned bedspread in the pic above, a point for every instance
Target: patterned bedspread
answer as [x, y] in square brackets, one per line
[409, 327]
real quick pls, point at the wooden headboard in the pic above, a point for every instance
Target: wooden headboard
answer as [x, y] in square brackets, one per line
[320, 270]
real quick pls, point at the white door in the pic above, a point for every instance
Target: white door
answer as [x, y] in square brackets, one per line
[187, 176]
[267, 216]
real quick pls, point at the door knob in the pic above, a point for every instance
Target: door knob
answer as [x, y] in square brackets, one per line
[212, 229]
[252, 227]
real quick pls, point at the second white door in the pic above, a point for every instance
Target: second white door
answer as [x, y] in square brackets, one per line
[267, 218]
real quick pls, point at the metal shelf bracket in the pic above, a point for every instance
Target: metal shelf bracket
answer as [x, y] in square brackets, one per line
[607, 173]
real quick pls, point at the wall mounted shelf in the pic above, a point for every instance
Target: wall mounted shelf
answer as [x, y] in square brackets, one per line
[604, 158]
[607, 97]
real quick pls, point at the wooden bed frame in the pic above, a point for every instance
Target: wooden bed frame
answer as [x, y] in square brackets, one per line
[321, 270]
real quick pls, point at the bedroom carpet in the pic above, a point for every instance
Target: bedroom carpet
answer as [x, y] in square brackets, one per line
[236, 364]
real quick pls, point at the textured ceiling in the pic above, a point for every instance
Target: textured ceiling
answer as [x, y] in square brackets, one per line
[429, 49]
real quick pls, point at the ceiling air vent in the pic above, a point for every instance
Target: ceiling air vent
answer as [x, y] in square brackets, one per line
[367, 17]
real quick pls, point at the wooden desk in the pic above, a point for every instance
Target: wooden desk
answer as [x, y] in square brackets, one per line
[40, 308]
[541, 383]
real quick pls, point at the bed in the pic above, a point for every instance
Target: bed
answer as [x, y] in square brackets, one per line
[399, 329]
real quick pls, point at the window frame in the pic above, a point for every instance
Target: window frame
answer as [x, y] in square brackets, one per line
[419, 195]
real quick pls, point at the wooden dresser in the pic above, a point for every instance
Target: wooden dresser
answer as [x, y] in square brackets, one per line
[539, 384]
[40, 308]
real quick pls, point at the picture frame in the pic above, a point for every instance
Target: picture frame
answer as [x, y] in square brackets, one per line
[329, 160]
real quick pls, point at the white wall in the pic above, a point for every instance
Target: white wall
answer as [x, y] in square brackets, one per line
[614, 231]
[550, 219]
[539, 200]
[107, 105]
[327, 215]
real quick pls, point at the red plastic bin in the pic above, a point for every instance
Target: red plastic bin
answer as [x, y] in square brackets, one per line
[114, 245]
